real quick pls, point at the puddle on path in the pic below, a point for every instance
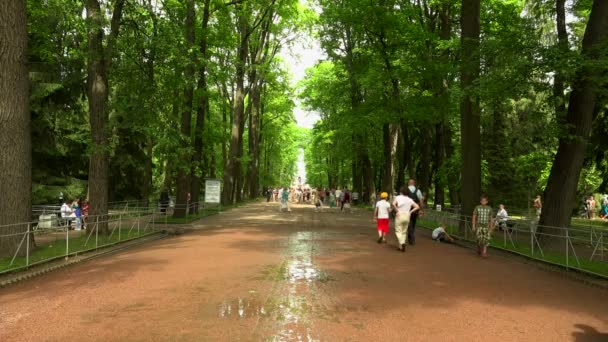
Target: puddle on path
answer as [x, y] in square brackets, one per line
[297, 297]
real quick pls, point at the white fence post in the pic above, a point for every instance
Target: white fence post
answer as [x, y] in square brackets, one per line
[532, 240]
[96, 232]
[567, 251]
[27, 244]
[67, 240]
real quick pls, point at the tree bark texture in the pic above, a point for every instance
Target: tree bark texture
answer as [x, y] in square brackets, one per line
[439, 162]
[233, 164]
[390, 136]
[562, 45]
[15, 131]
[453, 179]
[469, 107]
[99, 60]
[560, 194]
[426, 149]
[201, 113]
[183, 176]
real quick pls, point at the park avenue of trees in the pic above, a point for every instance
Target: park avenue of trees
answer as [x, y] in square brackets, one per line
[118, 99]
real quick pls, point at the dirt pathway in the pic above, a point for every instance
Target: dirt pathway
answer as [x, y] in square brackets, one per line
[254, 274]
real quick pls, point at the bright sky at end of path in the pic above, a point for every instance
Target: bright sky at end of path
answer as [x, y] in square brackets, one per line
[305, 52]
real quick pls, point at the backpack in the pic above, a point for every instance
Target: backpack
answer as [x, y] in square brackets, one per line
[413, 195]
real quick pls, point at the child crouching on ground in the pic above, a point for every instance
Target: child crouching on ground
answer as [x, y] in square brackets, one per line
[483, 225]
[440, 235]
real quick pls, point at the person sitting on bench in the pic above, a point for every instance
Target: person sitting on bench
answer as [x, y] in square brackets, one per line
[502, 217]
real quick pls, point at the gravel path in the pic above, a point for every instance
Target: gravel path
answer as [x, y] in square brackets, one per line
[254, 274]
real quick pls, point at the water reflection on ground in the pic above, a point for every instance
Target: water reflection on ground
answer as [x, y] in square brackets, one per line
[288, 311]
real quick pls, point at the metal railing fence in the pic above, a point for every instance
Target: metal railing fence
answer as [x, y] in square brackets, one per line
[581, 248]
[51, 237]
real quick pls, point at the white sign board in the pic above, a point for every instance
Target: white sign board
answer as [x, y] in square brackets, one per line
[213, 191]
[438, 207]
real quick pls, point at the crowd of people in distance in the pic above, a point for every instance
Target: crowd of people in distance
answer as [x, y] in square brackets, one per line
[75, 212]
[320, 197]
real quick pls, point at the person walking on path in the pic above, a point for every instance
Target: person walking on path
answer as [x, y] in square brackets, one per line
[404, 208]
[483, 226]
[346, 199]
[416, 195]
[381, 216]
[339, 197]
[285, 199]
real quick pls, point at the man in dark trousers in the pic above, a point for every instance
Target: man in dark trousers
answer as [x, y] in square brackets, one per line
[416, 195]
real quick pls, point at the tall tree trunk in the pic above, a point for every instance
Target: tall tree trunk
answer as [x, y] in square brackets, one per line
[212, 165]
[183, 179]
[401, 159]
[426, 149]
[470, 133]
[390, 135]
[168, 181]
[499, 157]
[233, 165]
[442, 129]
[439, 161]
[15, 131]
[453, 179]
[562, 44]
[408, 160]
[99, 60]
[254, 143]
[201, 113]
[147, 188]
[560, 194]
[259, 56]
[224, 144]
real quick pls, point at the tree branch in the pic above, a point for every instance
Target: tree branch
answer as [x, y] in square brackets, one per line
[114, 29]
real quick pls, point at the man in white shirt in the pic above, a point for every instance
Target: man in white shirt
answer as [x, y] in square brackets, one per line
[404, 207]
[381, 215]
[339, 198]
[67, 213]
[502, 217]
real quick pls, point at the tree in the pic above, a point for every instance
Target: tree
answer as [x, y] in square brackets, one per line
[183, 179]
[560, 193]
[99, 61]
[15, 141]
[469, 108]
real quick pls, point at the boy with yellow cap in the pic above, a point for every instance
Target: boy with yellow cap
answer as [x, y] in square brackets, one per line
[381, 216]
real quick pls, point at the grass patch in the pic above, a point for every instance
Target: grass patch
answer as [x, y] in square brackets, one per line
[75, 244]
